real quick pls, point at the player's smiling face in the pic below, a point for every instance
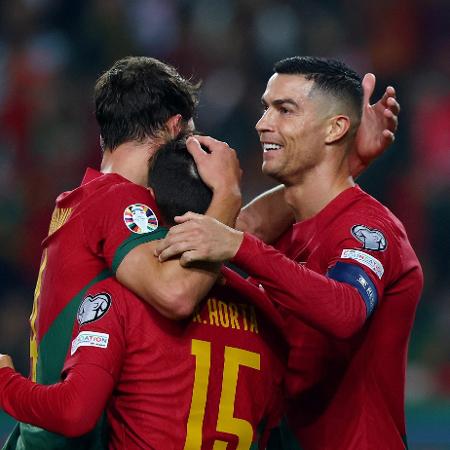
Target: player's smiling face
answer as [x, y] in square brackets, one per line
[291, 129]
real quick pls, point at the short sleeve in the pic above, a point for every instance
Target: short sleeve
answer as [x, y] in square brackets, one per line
[120, 219]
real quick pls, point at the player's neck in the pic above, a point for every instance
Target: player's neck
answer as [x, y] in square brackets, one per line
[316, 190]
[129, 160]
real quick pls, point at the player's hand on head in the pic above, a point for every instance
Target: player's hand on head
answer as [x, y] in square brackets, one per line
[378, 126]
[6, 361]
[199, 238]
[219, 168]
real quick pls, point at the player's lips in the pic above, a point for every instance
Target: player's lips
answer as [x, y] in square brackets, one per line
[270, 146]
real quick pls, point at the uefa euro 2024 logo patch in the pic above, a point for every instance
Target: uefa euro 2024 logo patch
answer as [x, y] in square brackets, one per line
[140, 218]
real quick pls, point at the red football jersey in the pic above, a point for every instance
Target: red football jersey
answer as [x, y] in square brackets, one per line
[347, 362]
[92, 228]
[211, 380]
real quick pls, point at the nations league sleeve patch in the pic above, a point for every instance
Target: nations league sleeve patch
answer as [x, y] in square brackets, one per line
[140, 219]
[89, 339]
[93, 308]
[370, 238]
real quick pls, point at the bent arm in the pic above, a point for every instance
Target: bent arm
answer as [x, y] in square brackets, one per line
[334, 307]
[71, 407]
[170, 288]
[267, 216]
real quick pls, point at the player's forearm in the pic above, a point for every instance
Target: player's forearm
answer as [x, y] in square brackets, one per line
[70, 408]
[225, 205]
[336, 308]
[267, 216]
[181, 289]
[171, 289]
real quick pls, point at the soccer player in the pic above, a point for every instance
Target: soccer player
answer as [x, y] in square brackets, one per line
[107, 226]
[345, 276]
[212, 380]
[99, 228]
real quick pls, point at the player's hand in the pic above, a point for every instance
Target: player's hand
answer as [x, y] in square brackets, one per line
[6, 361]
[199, 238]
[219, 169]
[378, 125]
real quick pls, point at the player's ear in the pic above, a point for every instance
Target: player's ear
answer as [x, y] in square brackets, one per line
[337, 128]
[174, 125]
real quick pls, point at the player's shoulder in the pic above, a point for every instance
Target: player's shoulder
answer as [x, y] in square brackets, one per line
[114, 188]
[367, 218]
[108, 293]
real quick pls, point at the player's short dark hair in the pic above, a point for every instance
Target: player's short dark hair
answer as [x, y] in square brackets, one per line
[175, 181]
[137, 95]
[329, 76]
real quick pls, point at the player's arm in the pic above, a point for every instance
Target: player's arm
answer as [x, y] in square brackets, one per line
[334, 303]
[172, 289]
[268, 215]
[71, 407]
[336, 307]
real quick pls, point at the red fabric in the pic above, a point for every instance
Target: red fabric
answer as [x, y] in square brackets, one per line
[71, 407]
[342, 391]
[154, 364]
[86, 242]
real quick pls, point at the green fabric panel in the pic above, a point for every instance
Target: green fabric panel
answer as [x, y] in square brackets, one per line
[236, 269]
[55, 343]
[33, 438]
[133, 241]
[282, 438]
[259, 433]
[51, 355]
[405, 441]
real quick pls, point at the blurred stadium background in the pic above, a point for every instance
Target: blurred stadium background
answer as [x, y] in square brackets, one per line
[52, 51]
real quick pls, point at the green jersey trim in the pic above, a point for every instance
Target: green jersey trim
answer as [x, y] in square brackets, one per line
[133, 241]
[282, 438]
[56, 342]
[52, 353]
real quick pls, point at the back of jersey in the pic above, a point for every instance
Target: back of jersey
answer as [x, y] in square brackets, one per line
[211, 382]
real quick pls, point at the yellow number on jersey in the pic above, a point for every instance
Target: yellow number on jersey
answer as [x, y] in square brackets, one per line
[226, 422]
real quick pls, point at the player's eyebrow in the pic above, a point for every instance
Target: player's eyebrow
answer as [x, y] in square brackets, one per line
[280, 101]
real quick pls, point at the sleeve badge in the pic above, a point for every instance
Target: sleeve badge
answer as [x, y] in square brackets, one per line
[93, 308]
[370, 238]
[140, 219]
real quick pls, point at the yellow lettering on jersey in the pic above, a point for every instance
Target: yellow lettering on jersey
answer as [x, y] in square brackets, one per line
[226, 422]
[202, 352]
[213, 313]
[234, 315]
[253, 322]
[33, 317]
[59, 218]
[196, 316]
[228, 315]
[223, 314]
[234, 358]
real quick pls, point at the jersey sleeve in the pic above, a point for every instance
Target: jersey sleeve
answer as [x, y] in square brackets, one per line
[326, 304]
[120, 219]
[98, 336]
[71, 407]
[360, 253]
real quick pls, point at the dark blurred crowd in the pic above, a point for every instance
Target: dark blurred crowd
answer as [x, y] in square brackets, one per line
[52, 51]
